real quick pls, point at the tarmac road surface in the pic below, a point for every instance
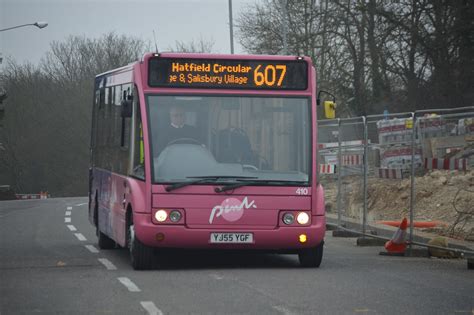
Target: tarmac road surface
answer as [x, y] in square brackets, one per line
[50, 264]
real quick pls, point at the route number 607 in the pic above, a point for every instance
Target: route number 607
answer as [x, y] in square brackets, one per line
[302, 191]
[270, 75]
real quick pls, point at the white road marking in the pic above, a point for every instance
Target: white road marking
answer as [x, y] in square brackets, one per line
[216, 276]
[92, 249]
[151, 308]
[69, 208]
[81, 204]
[283, 310]
[71, 227]
[67, 220]
[80, 237]
[132, 287]
[108, 264]
[68, 213]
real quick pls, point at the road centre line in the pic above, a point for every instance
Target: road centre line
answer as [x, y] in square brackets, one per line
[68, 213]
[69, 208]
[92, 249]
[107, 263]
[80, 237]
[132, 287]
[80, 204]
[67, 220]
[71, 227]
[151, 308]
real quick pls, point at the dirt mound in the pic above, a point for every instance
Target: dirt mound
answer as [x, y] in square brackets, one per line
[446, 196]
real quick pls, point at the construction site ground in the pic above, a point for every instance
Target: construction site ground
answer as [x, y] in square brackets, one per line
[446, 197]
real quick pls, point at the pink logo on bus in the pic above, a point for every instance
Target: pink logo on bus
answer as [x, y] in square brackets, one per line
[231, 209]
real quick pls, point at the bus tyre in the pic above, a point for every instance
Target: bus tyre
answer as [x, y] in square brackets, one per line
[104, 241]
[311, 257]
[141, 256]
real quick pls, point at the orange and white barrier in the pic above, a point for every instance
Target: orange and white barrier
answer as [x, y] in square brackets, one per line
[327, 169]
[395, 130]
[446, 164]
[41, 195]
[399, 157]
[27, 196]
[347, 159]
[390, 173]
[354, 159]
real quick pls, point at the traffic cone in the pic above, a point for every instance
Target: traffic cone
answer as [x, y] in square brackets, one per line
[397, 244]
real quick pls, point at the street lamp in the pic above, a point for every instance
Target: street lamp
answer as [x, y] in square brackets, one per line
[37, 24]
[231, 28]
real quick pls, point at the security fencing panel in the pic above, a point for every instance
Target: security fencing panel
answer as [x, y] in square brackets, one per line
[444, 187]
[379, 169]
[389, 165]
[341, 151]
[328, 143]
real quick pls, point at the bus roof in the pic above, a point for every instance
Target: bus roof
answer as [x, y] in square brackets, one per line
[223, 56]
[126, 68]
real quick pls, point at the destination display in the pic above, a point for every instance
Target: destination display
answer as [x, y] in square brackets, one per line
[228, 74]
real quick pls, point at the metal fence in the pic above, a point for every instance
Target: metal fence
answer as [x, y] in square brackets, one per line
[378, 169]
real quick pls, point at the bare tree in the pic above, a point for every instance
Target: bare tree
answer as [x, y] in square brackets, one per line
[399, 55]
[48, 112]
[200, 46]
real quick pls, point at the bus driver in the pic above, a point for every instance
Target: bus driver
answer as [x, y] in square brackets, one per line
[178, 131]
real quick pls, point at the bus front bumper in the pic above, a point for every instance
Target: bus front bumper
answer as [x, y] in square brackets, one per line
[281, 238]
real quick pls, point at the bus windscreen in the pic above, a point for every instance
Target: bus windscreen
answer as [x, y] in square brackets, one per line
[228, 73]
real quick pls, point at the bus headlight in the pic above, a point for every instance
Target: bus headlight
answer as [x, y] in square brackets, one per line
[161, 215]
[175, 216]
[302, 218]
[288, 218]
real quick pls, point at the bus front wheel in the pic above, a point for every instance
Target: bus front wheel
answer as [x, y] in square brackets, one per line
[311, 257]
[141, 256]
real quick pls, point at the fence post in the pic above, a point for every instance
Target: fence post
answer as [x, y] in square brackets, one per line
[412, 183]
[339, 171]
[366, 166]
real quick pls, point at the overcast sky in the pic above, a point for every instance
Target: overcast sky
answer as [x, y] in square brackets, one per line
[172, 20]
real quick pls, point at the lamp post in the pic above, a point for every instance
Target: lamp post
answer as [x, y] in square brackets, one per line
[231, 28]
[37, 24]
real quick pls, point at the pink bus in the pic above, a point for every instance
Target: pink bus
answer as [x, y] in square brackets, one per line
[206, 151]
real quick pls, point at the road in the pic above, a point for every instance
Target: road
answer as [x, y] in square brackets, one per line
[50, 264]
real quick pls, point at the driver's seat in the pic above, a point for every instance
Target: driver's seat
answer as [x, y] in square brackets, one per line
[233, 146]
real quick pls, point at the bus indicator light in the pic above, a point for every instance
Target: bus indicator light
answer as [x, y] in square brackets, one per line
[160, 237]
[303, 238]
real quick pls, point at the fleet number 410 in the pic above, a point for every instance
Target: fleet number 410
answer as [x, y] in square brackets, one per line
[302, 191]
[269, 75]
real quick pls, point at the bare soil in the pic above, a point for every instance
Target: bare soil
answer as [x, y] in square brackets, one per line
[445, 196]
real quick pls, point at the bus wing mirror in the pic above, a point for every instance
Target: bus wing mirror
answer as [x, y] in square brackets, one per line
[330, 109]
[126, 108]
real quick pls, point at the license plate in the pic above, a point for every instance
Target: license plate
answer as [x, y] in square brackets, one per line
[232, 238]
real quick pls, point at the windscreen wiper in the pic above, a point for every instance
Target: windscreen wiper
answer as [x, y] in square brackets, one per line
[203, 179]
[272, 182]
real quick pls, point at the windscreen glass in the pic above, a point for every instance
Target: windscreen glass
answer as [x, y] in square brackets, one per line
[263, 138]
